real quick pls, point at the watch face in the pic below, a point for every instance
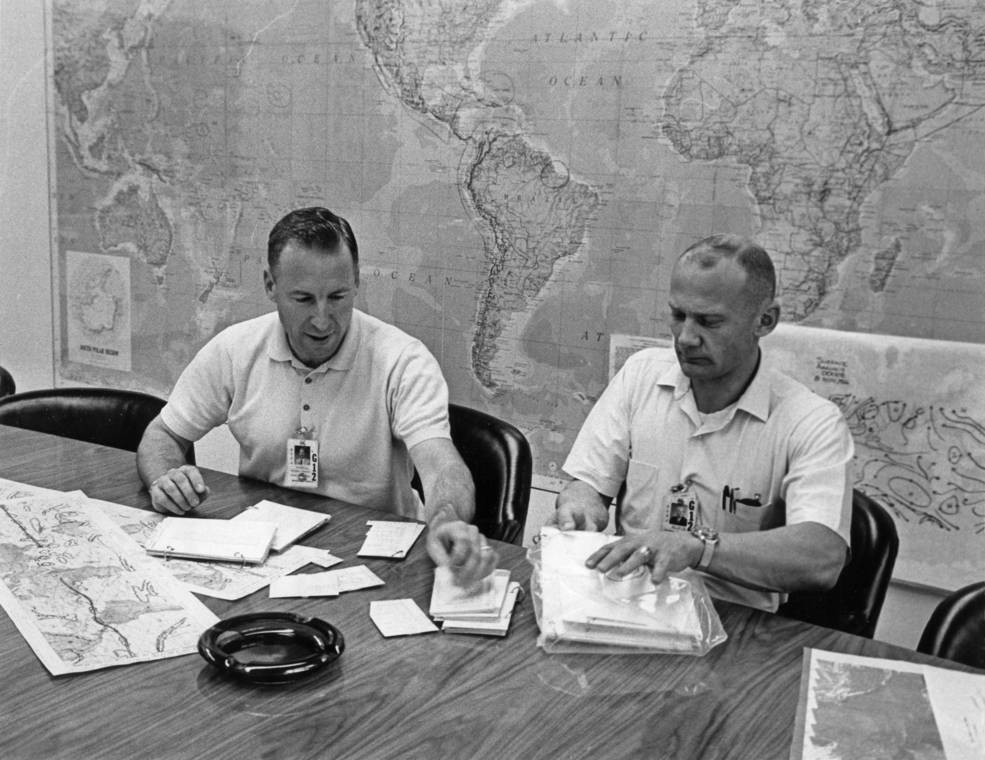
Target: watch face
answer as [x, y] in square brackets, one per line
[706, 534]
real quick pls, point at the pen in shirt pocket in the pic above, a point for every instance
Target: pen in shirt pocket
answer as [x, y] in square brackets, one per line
[730, 497]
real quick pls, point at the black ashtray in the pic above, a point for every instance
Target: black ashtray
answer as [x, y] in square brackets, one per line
[271, 647]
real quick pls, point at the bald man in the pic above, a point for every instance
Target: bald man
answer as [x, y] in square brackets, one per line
[717, 463]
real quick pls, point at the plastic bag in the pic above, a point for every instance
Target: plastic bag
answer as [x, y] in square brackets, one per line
[579, 609]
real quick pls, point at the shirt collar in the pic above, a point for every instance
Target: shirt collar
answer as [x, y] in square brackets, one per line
[279, 350]
[755, 400]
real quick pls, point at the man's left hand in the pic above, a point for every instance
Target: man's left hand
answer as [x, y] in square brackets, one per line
[460, 547]
[664, 551]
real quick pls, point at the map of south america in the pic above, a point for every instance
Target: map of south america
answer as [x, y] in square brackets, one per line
[521, 175]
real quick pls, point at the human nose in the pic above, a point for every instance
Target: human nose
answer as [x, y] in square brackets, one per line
[687, 333]
[322, 314]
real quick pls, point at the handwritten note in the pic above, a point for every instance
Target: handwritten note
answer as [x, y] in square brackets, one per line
[390, 539]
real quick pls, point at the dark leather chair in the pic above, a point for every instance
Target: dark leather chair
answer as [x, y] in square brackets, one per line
[854, 603]
[498, 456]
[956, 628]
[105, 416]
[7, 384]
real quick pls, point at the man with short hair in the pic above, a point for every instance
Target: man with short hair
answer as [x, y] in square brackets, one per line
[719, 463]
[323, 397]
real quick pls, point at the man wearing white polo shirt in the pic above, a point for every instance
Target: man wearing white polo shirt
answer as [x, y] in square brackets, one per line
[322, 397]
[719, 463]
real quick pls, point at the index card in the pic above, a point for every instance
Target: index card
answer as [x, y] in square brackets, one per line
[355, 578]
[390, 539]
[400, 617]
[321, 557]
[310, 584]
[292, 522]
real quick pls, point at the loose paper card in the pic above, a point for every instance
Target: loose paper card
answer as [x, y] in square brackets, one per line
[390, 539]
[292, 523]
[203, 538]
[355, 578]
[400, 617]
[309, 584]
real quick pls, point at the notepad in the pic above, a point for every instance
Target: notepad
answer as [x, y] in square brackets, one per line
[292, 523]
[495, 626]
[390, 539]
[203, 538]
[483, 600]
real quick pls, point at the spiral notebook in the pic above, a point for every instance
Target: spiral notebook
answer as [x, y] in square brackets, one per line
[219, 540]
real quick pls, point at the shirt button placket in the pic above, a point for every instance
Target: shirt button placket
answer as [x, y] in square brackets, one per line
[306, 403]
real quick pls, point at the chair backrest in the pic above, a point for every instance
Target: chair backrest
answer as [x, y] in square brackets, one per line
[854, 603]
[956, 628]
[7, 384]
[498, 456]
[105, 416]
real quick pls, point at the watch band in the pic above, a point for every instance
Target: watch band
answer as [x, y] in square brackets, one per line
[709, 539]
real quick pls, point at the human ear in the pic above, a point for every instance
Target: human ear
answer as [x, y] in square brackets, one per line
[768, 319]
[268, 284]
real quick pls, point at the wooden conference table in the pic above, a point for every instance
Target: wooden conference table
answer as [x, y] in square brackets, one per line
[429, 696]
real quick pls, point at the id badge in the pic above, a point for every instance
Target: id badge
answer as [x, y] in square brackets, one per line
[680, 508]
[302, 462]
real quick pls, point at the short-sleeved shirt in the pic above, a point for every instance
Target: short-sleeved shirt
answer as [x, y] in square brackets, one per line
[378, 396]
[780, 445]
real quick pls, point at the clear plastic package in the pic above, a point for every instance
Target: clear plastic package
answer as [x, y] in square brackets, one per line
[579, 609]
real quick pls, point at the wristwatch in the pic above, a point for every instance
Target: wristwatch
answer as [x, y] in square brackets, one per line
[708, 537]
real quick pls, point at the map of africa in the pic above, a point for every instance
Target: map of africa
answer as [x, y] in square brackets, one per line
[520, 174]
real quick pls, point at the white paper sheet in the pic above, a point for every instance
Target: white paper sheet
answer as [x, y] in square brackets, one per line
[292, 523]
[400, 617]
[390, 539]
[307, 584]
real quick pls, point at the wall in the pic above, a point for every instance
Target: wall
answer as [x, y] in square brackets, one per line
[25, 269]
[25, 265]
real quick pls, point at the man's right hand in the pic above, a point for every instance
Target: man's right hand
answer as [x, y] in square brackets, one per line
[580, 507]
[179, 490]
[575, 516]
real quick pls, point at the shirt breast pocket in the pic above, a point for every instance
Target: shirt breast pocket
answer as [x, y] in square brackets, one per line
[750, 514]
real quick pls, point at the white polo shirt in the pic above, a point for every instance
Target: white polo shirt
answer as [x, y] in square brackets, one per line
[780, 443]
[382, 393]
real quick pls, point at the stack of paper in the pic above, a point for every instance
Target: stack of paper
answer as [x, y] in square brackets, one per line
[484, 608]
[292, 523]
[580, 604]
[202, 538]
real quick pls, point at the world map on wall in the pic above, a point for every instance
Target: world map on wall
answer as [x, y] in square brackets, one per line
[520, 174]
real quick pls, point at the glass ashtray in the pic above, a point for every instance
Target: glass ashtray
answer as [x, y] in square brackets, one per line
[271, 647]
